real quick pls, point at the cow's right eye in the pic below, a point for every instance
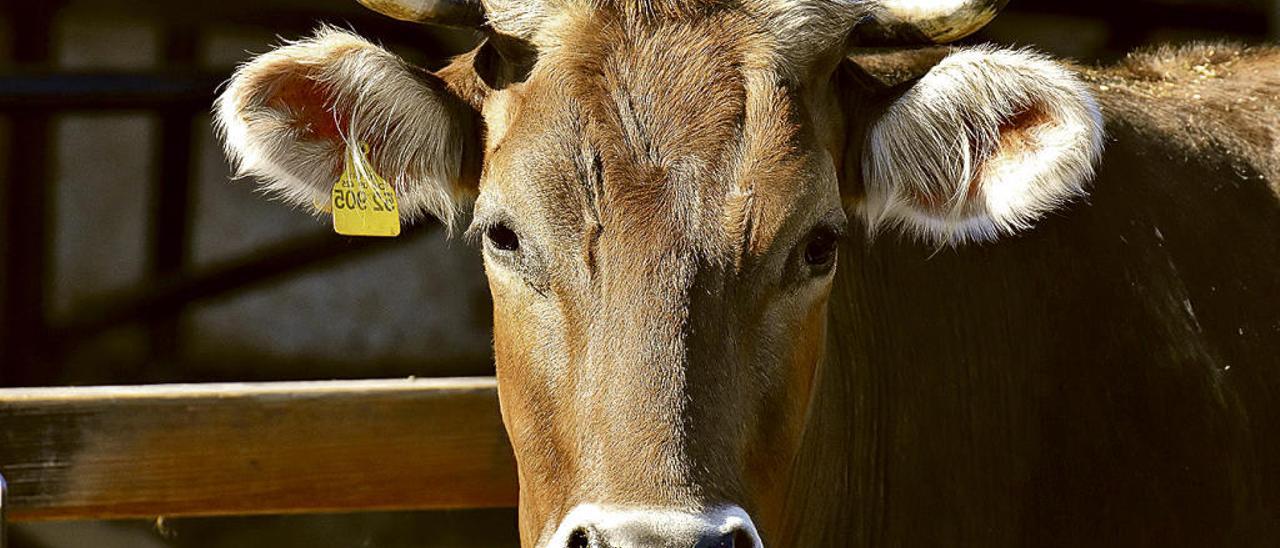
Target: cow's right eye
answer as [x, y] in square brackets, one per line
[503, 238]
[820, 251]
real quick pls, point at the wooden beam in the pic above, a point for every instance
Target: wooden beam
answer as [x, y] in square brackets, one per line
[216, 449]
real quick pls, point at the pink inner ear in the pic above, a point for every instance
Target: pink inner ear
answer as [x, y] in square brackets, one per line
[1017, 136]
[308, 105]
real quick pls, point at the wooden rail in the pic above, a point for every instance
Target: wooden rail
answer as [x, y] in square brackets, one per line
[210, 449]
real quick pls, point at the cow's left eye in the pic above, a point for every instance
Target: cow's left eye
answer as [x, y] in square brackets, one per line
[502, 237]
[820, 250]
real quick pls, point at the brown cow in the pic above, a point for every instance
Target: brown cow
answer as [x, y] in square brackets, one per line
[661, 187]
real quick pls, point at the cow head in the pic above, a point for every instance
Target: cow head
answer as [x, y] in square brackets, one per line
[660, 187]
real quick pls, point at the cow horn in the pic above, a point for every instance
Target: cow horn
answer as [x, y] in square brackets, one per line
[923, 22]
[453, 13]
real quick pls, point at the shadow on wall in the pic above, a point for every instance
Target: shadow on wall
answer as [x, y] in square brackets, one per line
[419, 308]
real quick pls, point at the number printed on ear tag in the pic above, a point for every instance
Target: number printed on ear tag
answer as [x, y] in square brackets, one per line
[363, 203]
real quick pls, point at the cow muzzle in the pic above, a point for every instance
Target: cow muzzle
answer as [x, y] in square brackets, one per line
[591, 526]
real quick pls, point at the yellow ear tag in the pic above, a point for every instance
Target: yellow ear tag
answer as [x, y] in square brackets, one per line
[363, 203]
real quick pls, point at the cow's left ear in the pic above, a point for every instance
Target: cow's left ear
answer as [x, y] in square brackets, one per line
[291, 118]
[981, 146]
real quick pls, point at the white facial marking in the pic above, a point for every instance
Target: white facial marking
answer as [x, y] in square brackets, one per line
[628, 527]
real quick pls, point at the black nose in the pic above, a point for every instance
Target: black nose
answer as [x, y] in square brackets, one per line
[662, 531]
[583, 538]
[733, 539]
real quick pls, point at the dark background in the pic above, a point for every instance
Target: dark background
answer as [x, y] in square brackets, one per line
[129, 258]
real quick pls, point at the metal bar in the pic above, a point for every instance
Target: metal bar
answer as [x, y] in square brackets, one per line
[170, 216]
[293, 18]
[26, 264]
[246, 448]
[43, 90]
[166, 295]
[26, 210]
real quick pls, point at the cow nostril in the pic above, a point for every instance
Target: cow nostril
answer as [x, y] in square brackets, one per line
[590, 526]
[579, 538]
[734, 539]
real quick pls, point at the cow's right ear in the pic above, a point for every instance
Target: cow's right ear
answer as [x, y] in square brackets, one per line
[982, 145]
[288, 116]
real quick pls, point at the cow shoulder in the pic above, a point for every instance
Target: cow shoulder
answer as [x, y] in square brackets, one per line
[1219, 100]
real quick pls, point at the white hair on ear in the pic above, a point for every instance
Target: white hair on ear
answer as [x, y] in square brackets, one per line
[983, 145]
[416, 129]
[520, 18]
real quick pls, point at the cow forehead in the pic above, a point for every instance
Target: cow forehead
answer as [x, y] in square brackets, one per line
[799, 28]
[681, 130]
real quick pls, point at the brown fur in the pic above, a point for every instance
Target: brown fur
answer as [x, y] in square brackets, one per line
[1218, 98]
[1108, 378]
[663, 205]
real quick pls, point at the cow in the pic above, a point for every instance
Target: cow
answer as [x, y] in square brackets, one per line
[1055, 321]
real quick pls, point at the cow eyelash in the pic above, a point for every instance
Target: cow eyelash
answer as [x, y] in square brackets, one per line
[494, 230]
[820, 246]
[502, 238]
[505, 245]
